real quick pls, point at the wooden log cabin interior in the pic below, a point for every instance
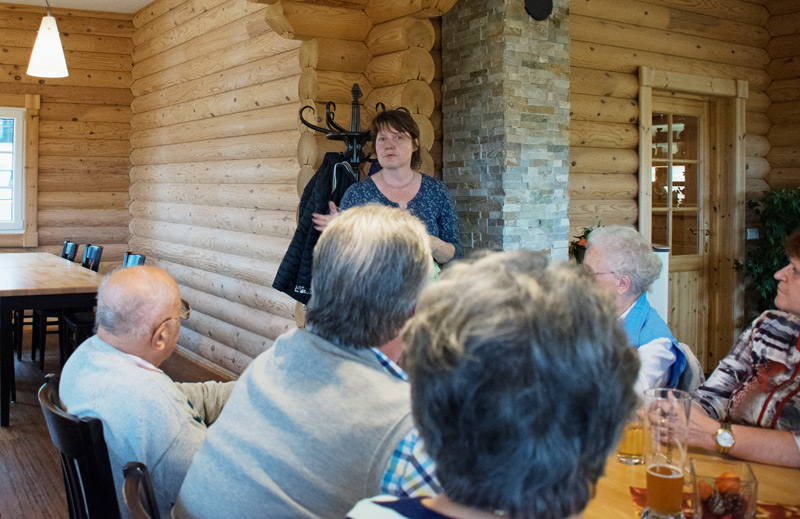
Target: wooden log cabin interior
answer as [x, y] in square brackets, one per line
[176, 135]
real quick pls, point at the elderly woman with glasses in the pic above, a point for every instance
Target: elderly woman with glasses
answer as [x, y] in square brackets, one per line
[115, 376]
[623, 264]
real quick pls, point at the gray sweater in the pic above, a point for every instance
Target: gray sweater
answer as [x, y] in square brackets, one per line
[307, 432]
[146, 416]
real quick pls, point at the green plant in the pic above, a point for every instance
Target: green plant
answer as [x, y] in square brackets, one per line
[779, 213]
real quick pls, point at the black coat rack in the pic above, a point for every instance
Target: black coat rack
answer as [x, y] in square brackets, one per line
[354, 139]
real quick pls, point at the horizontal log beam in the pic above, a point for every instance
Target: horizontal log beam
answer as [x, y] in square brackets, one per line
[83, 217]
[594, 186]
[603, 160]
[334, 55]
[400, 34]
[619, 59]
[254, 73]
[258, 296]
[204, 55]
[86, 113]
[587, 29]
[668, 18]
[216, 352]
[83, 200]
[603, 109]
[96, 235]
[295, 20]
[281, 197]
[229, 265]
[271, 93]
[604, 83]
[784, 178]
[264, 120]
[274, 145]
[603, 135]
[280, 224]
[245, 171]
[399, 67]
[205, 22]
[261, 247]
[784, 90]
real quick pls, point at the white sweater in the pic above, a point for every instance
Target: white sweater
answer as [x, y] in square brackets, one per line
[146, 416]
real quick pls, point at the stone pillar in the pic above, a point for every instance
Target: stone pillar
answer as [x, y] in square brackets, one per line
[505, 106]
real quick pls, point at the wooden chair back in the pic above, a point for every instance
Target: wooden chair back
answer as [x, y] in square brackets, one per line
[85, 466]
[91, 257]
[132, 260]
[69, 250]
[137, 492]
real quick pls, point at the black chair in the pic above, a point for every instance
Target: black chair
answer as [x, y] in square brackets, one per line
[42, 319]
[91, 256]
[85, 465]
[77, 325]
[137, 492]
[132, 260]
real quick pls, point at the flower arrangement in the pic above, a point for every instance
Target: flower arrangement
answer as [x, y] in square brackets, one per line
[577, 247]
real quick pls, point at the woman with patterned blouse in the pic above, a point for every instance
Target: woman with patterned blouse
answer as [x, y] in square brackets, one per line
[395, 138]
[750, 405]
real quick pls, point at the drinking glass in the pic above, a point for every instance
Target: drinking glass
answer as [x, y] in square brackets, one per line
[630, 449]
[666, 432]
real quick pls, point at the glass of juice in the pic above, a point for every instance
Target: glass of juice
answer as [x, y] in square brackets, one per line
[630, 449]
[666, 432]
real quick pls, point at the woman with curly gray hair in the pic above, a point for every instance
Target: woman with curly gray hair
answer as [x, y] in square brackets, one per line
[521, 382]
[622, 263]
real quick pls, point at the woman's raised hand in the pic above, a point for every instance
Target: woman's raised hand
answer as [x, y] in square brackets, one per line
[322, 220]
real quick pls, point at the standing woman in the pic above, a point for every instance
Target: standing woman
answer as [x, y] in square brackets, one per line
[395, 138]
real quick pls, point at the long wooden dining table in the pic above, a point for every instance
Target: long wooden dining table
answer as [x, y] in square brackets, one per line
[613, 499]
[36, 280]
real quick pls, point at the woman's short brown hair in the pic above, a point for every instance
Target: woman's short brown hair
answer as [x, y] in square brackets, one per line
[399, 121]
[792, 244]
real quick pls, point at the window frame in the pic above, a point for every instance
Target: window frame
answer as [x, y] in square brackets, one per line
[28, 235]
[17, 223]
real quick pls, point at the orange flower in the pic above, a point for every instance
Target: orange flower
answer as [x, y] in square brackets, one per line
[728, 483]
[705, 489]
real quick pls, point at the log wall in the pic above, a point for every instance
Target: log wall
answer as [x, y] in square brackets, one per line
[214, 178]
[784, 113]
[84, 125]
[610, 40]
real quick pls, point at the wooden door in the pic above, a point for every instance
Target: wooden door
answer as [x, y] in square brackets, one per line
[679, 215]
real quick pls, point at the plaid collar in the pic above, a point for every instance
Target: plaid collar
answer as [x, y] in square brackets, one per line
[389, 365]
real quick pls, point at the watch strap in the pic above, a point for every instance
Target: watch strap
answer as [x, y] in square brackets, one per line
[724, 427]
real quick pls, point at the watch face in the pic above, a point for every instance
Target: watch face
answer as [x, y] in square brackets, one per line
[725, 438]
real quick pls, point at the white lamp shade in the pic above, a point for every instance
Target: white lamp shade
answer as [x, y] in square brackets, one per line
[47, 58]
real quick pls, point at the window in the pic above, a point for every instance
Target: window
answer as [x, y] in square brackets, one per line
[19, 170]
[676, 179]
[12, 169]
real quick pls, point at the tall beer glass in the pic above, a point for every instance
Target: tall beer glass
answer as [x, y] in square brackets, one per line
[666, 432]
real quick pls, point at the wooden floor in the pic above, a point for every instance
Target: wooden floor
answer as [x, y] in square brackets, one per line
[31, 486]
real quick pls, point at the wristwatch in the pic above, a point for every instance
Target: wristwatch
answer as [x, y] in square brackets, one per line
[724, 437]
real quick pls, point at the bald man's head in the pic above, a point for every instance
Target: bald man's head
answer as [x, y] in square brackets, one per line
[131, 301]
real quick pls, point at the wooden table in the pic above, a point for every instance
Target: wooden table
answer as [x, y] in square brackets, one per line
[613, 500]
[36, 280]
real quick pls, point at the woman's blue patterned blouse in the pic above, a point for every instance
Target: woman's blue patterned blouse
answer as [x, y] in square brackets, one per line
[431, 204]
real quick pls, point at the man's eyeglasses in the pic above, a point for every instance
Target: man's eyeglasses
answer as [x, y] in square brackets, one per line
[183, 314]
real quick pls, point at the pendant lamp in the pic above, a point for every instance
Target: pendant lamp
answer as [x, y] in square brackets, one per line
[47, 58]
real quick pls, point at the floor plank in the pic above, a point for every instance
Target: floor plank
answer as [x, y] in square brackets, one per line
[31, 486]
